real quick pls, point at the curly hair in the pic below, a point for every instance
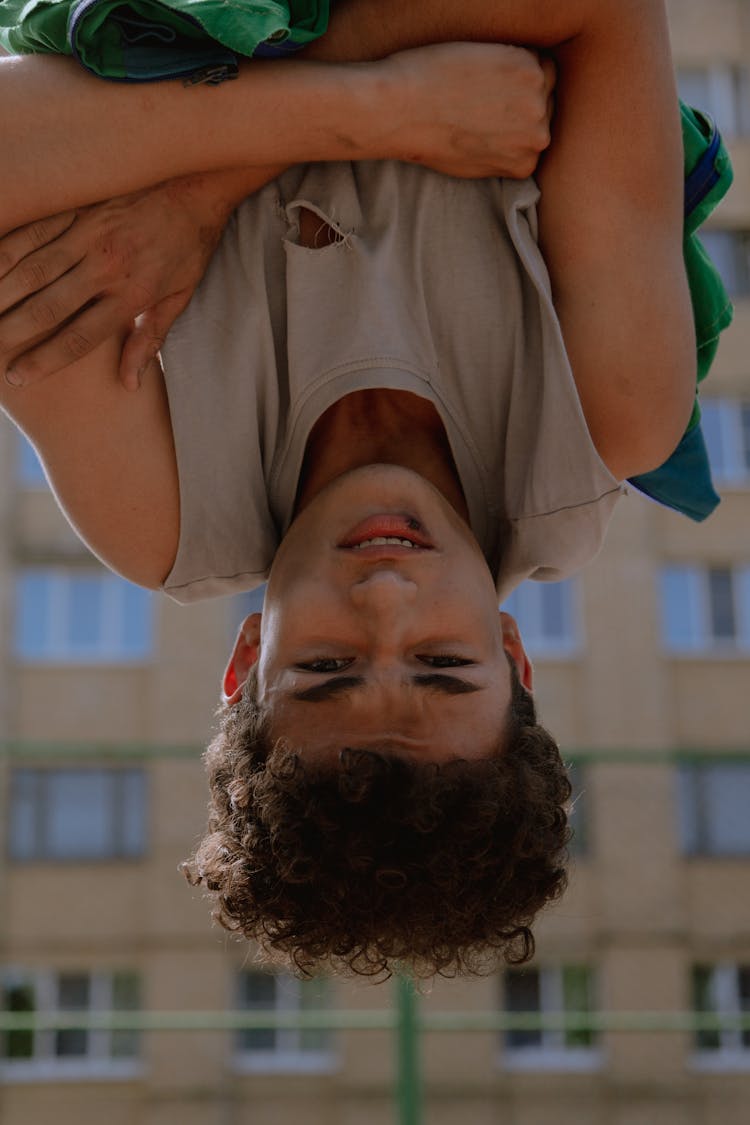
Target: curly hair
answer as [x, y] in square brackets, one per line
[379, 862]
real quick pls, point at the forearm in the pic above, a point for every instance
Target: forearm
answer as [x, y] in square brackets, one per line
[362, 30]
[67, 138]
[368, 30]
[105, 139]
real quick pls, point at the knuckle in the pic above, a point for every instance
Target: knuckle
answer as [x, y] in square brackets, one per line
[32, 275]
[7, 262]
[39, 233]
[43, 314]
[526, 165]
[111, 265]
[76, 344]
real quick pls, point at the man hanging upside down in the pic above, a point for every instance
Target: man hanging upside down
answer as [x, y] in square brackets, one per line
[394, 395]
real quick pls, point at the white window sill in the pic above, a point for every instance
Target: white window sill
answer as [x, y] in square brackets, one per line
[70, 1070]
[721, 1060]
[571, 1059]
[738, 485]
[285, 1062]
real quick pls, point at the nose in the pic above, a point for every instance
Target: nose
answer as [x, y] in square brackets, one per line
[383, 592]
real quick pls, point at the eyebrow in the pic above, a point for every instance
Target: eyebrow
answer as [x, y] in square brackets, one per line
[340, 685]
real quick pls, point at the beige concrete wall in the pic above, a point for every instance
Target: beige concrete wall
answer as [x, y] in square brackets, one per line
[709, 30]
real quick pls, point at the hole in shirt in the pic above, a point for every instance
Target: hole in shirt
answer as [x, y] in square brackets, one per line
[315, 232]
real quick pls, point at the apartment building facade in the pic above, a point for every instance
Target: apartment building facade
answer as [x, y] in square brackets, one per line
[643, 666]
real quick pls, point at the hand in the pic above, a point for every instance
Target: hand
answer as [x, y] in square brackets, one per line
[474, 110]
[127, 266]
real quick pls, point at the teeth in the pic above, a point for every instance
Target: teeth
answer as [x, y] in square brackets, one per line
[383, 540]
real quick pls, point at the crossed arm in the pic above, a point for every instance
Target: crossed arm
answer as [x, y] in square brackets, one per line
[469, 112]
[610, 216]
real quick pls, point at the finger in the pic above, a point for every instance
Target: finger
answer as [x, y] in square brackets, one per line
[150, 332]
[44, 313]
[70, 342]
[35, 272]
[549, 70]
[16, 245]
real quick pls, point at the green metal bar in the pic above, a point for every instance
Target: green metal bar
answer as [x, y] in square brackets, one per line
[20, 749]
[409, 1098]
[404, 1018]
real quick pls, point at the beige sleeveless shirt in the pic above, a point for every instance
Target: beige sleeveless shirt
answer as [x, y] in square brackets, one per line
[434, 286]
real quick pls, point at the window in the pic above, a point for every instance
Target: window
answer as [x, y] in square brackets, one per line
[82, 616]
[722, 990]
[69, 1052]
[547, 992]
[726, 428]
[729, 250]
[283, 1049]
[547, 615]
[706, 609]
[77, 814]
[713, 803]
[29, 469]
[723, 91]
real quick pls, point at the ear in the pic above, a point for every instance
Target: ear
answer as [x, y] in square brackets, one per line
[243, 657]
[513, 645]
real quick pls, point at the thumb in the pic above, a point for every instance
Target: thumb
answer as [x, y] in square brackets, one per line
[147, 336]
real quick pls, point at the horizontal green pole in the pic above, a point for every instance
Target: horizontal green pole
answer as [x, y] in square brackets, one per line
[373, 1021]
[20, 749]
[97, 751]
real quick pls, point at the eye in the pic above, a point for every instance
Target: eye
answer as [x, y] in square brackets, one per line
[445, 661]
[326, 664]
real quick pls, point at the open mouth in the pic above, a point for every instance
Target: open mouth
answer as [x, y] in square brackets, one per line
[394, 530]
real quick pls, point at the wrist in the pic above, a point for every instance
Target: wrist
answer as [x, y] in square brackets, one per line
[214, 195]
[368, 102]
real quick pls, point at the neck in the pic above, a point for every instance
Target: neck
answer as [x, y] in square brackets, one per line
[380, 427]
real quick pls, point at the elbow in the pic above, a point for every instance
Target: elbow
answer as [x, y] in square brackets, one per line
[647, 428]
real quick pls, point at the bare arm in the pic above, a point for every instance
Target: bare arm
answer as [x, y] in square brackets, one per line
[611, 231]
[612, 192]
[438, 106]
[70, 281]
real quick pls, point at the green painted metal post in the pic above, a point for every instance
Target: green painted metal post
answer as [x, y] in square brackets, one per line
[409, 1078]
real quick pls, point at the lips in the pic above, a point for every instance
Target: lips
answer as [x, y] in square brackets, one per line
[388, 525]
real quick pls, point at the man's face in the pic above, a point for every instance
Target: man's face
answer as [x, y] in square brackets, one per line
[379, 644]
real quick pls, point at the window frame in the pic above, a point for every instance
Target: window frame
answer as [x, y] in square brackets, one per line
[703, 644]
[694, 814]
[287, 1055]
[733, 473]
[552, 1053]
[731, 257]
[57, 646]
[525, 603]
[119, 798]
[727, 94]
[731, 1054]
[98, 1062]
